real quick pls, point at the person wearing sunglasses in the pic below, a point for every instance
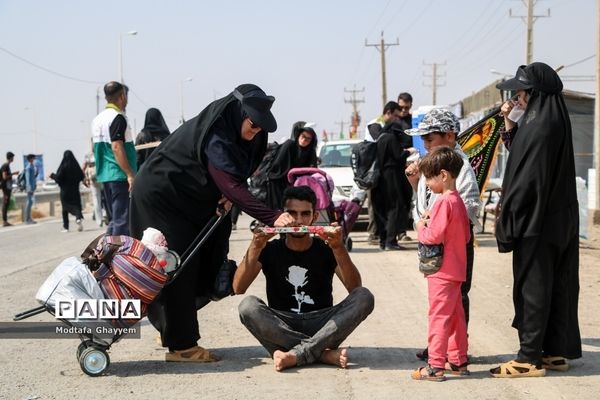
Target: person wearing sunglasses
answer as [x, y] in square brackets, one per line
[198, 169]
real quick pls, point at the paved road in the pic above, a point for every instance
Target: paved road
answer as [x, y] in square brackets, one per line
[381, 354]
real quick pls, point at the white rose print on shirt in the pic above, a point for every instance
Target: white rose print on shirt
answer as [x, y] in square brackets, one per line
[297, 278]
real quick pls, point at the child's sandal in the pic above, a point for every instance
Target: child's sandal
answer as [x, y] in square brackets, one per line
[433, 374]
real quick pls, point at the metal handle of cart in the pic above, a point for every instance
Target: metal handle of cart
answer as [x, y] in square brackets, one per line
[200, 239]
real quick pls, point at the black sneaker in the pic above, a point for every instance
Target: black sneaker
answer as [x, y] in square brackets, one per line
[394, 247]
[423, 354]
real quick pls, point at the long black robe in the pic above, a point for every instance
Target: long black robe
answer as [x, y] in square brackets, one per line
[539, 221]
[393, 193]
[68, 176]
[175, 194]
[290, 155]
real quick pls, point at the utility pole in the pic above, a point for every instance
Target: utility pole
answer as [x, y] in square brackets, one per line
[596, 211]
[355, 118]
[341, 124]
[382, 47]
[529, 20]
[434, 80]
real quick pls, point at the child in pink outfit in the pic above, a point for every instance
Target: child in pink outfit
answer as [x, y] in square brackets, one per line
[447, 223]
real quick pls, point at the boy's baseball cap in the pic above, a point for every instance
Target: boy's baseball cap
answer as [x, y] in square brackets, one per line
[436, 120]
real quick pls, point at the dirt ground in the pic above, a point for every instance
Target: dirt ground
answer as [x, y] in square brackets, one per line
[382, 349]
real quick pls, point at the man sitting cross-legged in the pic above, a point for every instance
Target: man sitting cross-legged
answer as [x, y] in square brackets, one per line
[301, 325]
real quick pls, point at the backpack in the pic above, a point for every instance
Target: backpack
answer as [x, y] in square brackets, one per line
[21, 180]
[364, 164]
[258, 181]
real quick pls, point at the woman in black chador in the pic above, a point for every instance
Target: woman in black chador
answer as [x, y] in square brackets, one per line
[155, 130]
[68, 176]
[204, 163]
[297, 152]
[539, 223]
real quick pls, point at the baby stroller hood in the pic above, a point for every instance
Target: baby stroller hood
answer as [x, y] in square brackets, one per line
[318, 180]
[69, 281]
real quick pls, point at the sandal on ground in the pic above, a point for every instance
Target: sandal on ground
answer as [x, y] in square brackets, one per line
[459, 370]
[195, 354]
[515, 369]
[555, 363]
[433, 374]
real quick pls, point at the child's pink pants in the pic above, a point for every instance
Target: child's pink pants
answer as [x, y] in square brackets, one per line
[447, 326]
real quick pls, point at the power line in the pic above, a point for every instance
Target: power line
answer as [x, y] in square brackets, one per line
[61, 75]
[580, 61]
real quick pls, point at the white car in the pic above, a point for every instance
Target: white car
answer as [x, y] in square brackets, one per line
[334, 159]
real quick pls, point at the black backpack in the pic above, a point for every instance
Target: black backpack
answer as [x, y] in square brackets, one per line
[364, 164]
[258, 181]
[21, 182]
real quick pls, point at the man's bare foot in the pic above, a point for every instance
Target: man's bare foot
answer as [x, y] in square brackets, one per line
[337, 357]
[283, 360]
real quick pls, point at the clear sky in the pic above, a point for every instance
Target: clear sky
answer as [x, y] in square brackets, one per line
[305, 53]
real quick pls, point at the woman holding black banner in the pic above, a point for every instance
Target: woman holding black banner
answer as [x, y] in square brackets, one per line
[201, 167]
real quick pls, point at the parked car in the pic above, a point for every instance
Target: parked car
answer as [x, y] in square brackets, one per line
[335, 160]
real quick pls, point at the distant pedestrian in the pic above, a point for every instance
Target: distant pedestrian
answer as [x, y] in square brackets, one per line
[68, 176]
[155, 130]
[298, 152]
[115, 156]
[89, 171]
[30, 186]
[6, 183]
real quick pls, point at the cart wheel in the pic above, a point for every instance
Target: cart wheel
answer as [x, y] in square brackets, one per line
[82, 346]
[349, 244]
[94, 361]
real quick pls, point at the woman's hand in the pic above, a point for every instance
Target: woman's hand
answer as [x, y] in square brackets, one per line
[284, 219]
[223, 204]
[505, 109]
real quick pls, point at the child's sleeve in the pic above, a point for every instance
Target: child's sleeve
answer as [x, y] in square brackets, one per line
[434, 232]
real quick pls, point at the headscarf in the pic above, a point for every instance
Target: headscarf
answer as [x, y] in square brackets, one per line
[155, 126]
[213, 135]
[292, 155]
[538, 189]
[69, 170]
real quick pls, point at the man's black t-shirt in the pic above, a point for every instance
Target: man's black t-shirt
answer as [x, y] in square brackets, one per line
[5, 184]
[298, 281]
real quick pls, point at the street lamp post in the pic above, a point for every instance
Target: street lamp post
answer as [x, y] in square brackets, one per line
[181, 97]
[130, 33]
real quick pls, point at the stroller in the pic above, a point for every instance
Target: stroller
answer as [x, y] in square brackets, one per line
[117, 268]
[344, 213]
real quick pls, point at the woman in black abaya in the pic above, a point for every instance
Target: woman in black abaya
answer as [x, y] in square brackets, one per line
[539, 223]
[203, 164]
[297, 152]
[155, 130]
[68, 176]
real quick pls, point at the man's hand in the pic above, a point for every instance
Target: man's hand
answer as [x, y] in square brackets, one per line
[412, 174]
[260, 239]
[130, 179]
[333, 239]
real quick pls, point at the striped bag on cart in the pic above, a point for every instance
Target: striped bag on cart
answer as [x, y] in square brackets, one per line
[126, 269]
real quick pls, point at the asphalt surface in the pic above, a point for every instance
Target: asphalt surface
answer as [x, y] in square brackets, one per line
[381, 350]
